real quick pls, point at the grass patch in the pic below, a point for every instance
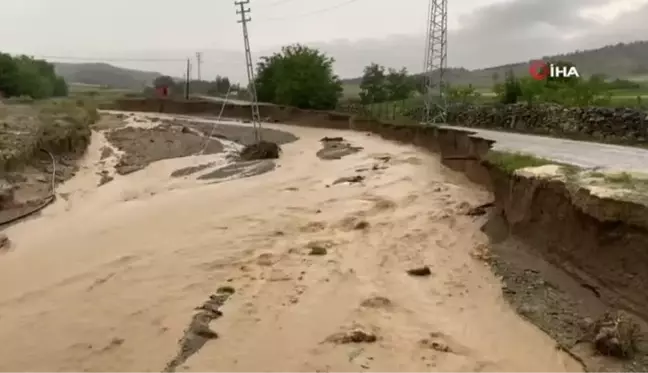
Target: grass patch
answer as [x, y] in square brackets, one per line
[624, 180]
[510, 162]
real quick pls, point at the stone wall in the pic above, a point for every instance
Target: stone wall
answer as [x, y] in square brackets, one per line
[613, 125]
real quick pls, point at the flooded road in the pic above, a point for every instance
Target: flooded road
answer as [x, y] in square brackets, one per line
[108, 279]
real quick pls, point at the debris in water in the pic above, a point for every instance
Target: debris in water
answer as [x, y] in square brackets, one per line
[421, 271]
[356, 335]
[260, 150]
[318, 251]
[4, 241]
[332, 139]
[616, 334]
[319, 248]
[377, 302]
[198, 333]
[361, 225]
[349, 179]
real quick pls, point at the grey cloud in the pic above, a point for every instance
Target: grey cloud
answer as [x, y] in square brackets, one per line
[495, 34]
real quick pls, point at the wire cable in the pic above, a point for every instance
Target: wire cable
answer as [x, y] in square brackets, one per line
[112, 59]
[218, 119]
[308, 14]
[279, 2]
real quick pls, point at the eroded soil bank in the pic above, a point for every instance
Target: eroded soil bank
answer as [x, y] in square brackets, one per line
[366, 264]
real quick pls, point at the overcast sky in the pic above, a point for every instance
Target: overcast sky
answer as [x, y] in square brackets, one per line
[482, 32]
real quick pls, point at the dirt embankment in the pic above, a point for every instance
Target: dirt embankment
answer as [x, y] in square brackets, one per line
[566, 255]
[39, 146]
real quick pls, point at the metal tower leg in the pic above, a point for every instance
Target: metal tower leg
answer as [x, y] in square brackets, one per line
[436, 50]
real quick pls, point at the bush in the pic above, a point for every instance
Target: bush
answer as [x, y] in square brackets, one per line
[26, 76]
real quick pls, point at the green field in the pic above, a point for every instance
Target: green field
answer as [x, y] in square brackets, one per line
[620, 97]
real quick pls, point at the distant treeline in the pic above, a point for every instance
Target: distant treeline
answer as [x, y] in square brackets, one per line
[26, 76]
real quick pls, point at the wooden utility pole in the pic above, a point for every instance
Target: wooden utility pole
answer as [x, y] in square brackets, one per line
[256, 117]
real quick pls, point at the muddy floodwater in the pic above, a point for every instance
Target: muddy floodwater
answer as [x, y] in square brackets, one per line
[290, 270]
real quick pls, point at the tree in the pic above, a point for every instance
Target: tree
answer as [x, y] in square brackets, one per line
[399, 84]
[9, 86]
[532, 90]
[220, 86]
[511, 90]
[164, 81]
[298, 76]
[373, 87]
[26, 76]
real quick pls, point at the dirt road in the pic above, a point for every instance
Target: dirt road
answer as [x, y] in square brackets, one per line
[109, 279]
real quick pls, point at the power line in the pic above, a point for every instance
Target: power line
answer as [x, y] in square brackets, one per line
[279, 2]
[318, 11]
[111, 59]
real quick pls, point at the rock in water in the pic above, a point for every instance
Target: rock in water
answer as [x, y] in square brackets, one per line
[261, 150]
[421, 271]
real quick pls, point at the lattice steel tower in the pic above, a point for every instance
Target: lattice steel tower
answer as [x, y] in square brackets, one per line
[256, 117]
[435, 64]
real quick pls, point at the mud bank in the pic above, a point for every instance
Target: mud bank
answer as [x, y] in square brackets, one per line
[593, 243]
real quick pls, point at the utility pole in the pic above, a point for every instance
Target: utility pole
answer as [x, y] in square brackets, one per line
[198, 63]
[187, 79]
[256, 117]
[435, 63]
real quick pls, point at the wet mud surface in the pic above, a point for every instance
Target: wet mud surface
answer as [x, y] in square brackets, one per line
[143, 146]
[243, 135]
[336, 148]
[191, 170]
[198, 333]
[240, 169]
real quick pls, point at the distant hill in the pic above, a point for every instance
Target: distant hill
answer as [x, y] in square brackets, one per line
[103, 74]
[623, 60]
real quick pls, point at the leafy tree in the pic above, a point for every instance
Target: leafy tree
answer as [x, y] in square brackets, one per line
[373, 87]
[532, 90]
[61, 88]
[164, 81]
[219, 86]
[298, 76]
[511, 90]
[419, 84]
[399, 85]
[26, 76]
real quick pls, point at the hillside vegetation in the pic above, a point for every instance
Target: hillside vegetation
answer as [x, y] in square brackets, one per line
[26, 76]
[103, 74]
[623, 60]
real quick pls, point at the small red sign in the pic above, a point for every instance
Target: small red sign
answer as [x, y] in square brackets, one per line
[163, 91]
